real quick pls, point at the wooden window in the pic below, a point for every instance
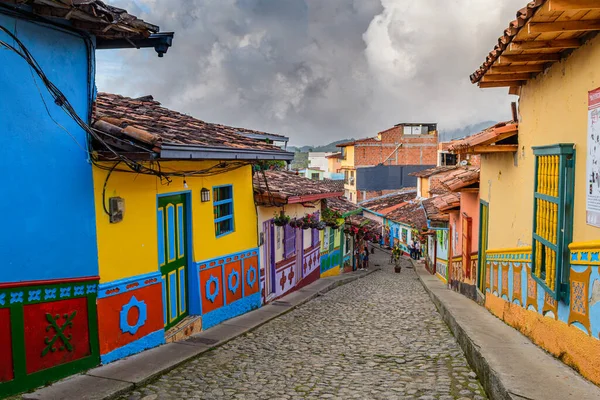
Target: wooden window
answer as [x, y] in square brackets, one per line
[484, 213]
[223, 209]
[289, 242]
[553, 217]
[331, 239]
[315, 234]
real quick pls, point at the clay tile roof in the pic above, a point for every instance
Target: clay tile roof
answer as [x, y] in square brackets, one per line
[94, 16]
[170, 126]
[342, 205]
[336, 185]
[367, 140]
[334, 155]
[389, 202]
[494, 138]
[288, 187]
[426, 173]
[541, 24]
[345, 144]
[461, 178]
[411, 214]
[436, 207]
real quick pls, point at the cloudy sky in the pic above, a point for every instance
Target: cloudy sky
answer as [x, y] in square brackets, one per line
[317, 70]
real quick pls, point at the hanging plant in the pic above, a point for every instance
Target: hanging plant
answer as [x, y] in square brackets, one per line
[321, 225]
[281, 219]
[293, 223]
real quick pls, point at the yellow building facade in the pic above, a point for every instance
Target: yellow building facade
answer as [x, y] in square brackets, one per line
[540, 266]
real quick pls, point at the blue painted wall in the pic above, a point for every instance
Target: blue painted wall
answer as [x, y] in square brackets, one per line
[48, 229]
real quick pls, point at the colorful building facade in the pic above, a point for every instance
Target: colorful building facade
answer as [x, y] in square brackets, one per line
[290, 249]
[181, 253]
[49, 279]
[539, 225]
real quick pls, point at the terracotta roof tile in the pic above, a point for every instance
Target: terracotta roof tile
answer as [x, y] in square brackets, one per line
[342, 205]
[523, 16]
[461, 178]
[171, 126]
[389, 202]
[94, 16]
[411, 214]
[490, 136]
[436, 207]
[283, 185]
[426, 173]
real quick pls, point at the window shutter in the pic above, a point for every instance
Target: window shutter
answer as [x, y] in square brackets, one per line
[289, 241]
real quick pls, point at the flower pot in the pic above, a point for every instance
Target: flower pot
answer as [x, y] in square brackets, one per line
[397, 269]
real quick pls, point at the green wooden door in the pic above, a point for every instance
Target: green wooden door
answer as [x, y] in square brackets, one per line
[483, 242]
[172, 256]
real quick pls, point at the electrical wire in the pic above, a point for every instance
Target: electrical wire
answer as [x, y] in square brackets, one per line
[132, 166]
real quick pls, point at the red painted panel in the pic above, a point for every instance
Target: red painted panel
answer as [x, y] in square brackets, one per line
[6, 360]
[252, 287]
[109, 317]
[216, 291]
[55, 333]
[235, 280]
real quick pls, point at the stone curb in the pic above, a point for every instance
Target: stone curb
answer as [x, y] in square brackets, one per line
[111, 380]
[508, 365]
[491, 383]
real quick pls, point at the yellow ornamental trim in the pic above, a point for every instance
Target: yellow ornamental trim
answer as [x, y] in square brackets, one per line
[591, 245]
[514, 250]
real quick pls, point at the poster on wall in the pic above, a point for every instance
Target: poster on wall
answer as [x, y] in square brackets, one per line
[593, 160]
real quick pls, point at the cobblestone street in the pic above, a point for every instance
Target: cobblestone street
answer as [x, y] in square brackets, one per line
[379, 337]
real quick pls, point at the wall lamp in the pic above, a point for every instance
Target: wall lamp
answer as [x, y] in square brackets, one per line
[205, 195]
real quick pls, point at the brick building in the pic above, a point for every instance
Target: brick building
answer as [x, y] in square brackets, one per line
[395, 152]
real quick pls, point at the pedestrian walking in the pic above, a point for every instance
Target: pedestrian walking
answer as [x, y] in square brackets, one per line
[366, 260]
[412, 250]
[417, 250]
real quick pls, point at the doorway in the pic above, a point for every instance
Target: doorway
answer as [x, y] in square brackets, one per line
[172, 217]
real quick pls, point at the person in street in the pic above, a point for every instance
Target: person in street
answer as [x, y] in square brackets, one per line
[417, 250]
[366, 260]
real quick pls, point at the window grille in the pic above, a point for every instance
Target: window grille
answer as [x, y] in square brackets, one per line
[553, 217]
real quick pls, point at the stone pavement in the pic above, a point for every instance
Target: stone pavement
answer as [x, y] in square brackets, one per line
[379, 337]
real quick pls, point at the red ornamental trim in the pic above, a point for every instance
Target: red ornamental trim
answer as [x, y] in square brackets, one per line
[48, 282]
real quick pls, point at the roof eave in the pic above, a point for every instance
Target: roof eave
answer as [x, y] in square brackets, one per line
[188, 152]
[160, 41]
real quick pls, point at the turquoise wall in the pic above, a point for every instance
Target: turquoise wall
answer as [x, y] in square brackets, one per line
[49, 223]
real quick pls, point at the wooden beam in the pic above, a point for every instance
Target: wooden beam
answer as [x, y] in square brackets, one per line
[566, 5]
[514, 90]
[545, 44]
[505, 77]
[486, 85]
[516, 69]
[563, 26]
[496, 148]
[542, 57]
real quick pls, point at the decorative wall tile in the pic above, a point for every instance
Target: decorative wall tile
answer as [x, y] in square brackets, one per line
[531, 290]
[550, 304]
[579, 305]
[517, 292]
[504, 272]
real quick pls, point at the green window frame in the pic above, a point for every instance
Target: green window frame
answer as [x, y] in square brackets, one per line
[223, 210]
[553, 217]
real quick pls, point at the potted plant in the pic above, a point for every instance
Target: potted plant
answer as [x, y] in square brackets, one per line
[321, 225]
[281, 219]
[293, 223]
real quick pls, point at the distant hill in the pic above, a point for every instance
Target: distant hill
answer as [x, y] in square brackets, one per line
[328, 148]
[447, 135]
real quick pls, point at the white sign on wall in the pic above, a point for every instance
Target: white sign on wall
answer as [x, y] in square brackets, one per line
[593, 160]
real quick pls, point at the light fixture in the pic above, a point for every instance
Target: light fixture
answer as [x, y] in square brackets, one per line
[185, 184]
[205, 195]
